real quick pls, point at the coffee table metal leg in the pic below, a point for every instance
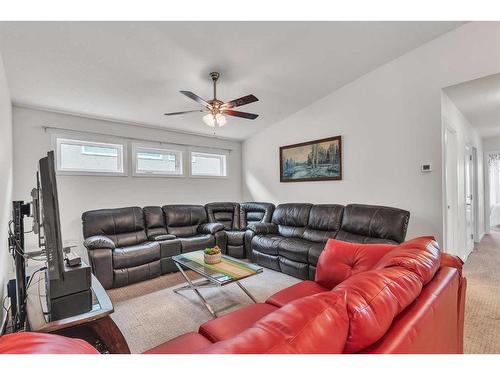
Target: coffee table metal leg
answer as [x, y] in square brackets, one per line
[246, 292]
[194, 289]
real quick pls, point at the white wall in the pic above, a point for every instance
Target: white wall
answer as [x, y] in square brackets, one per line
[390, 121]
[466, 136]
[5, 182]
[81, 193]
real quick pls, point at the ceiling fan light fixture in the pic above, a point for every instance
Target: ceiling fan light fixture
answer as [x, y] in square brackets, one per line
[220, 120]
[209, 120]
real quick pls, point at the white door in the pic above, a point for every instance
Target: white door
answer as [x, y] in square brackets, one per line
[451, 181]
[469, 201]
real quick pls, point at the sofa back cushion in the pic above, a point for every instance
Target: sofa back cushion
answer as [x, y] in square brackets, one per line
[341, 260]
[420, 255]
[311, 325]
[124, 226]
[324, 222]
[292, 218]
[225, 213]
[255, 212]
[155, 221]
[182, 220]
[373, 224]
[374, 299]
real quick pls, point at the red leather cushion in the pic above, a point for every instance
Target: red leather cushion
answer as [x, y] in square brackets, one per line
[294, 292]
[43, 343]
[420, 255]
[374, 299]
[430, 324]
[340, 260]
[231, 324]
[311, 325]
[185, 344]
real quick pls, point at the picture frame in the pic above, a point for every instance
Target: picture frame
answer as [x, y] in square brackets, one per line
[318, 160]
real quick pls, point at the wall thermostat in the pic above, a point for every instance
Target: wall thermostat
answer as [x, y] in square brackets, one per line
[426, 168]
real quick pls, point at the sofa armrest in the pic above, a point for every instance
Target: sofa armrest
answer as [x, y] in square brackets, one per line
[98, 242]
[210, 228]
[448, 260]
[161, 237]
[263, 228]
[101, 261]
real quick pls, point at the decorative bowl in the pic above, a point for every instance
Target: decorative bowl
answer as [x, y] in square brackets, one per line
[212, 258]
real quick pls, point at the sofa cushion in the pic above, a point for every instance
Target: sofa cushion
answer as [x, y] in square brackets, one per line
[198, 242]
[233, 323]
[374, 299]
[43, 343]
[295, 249]
[182, 220]
[340, 260]
[225, 213]
[291, 218]
[420, 255]
[324, 222]
[294, 292]
[187, 343]
[316, 324]
[124, 226]
[373, 224]
[155, 222]
[267, 244]
[136, 255]
[315, 252]
[255, 212]
[235, 237]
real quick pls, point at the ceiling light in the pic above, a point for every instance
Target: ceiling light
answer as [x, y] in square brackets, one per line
[214, 121]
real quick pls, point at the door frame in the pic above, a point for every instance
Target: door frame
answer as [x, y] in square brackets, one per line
[486, 176]
[472, 151]
[447, 127]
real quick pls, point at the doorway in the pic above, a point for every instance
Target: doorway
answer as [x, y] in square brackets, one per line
[451, 188]
[470, 199]
[493, 190]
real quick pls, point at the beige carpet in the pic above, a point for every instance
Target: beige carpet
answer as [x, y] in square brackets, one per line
[482, 307]
[149, 313]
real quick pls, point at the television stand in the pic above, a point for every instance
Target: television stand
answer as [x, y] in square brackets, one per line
[95, 326]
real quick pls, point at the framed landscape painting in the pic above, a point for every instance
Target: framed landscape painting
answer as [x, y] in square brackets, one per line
[312, 161]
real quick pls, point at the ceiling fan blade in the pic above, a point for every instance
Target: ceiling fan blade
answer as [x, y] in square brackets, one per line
[196, 98]
[244, 100]
[181, 113]
[250, 116]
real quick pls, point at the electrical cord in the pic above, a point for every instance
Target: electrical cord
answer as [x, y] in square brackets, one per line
[19, 249]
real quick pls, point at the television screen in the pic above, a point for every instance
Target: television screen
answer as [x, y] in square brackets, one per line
[49, 217]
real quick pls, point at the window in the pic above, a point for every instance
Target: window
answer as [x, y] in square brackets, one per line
[208, 164]
[76, 156]
[157, 161]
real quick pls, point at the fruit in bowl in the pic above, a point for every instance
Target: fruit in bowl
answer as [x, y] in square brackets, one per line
[212, 255]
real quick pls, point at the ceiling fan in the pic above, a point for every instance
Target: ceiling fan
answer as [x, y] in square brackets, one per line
[216, 108]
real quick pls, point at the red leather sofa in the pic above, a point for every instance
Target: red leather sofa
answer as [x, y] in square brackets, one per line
[366, 298]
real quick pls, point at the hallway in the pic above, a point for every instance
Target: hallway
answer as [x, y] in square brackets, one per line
[482, 310]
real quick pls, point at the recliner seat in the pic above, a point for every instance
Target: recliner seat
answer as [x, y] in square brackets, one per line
[119, 249]
[296, 236]
[235, 217]
[189, 223]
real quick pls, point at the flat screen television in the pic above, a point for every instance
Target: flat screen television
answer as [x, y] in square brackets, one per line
[49, 230]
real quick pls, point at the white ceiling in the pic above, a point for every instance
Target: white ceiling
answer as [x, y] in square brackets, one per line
[132, 71]
[479, 102]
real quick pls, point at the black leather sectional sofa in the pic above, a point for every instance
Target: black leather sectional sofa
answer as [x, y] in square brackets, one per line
[127, 245]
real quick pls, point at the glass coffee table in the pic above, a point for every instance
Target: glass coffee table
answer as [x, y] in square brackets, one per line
[228, 271]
